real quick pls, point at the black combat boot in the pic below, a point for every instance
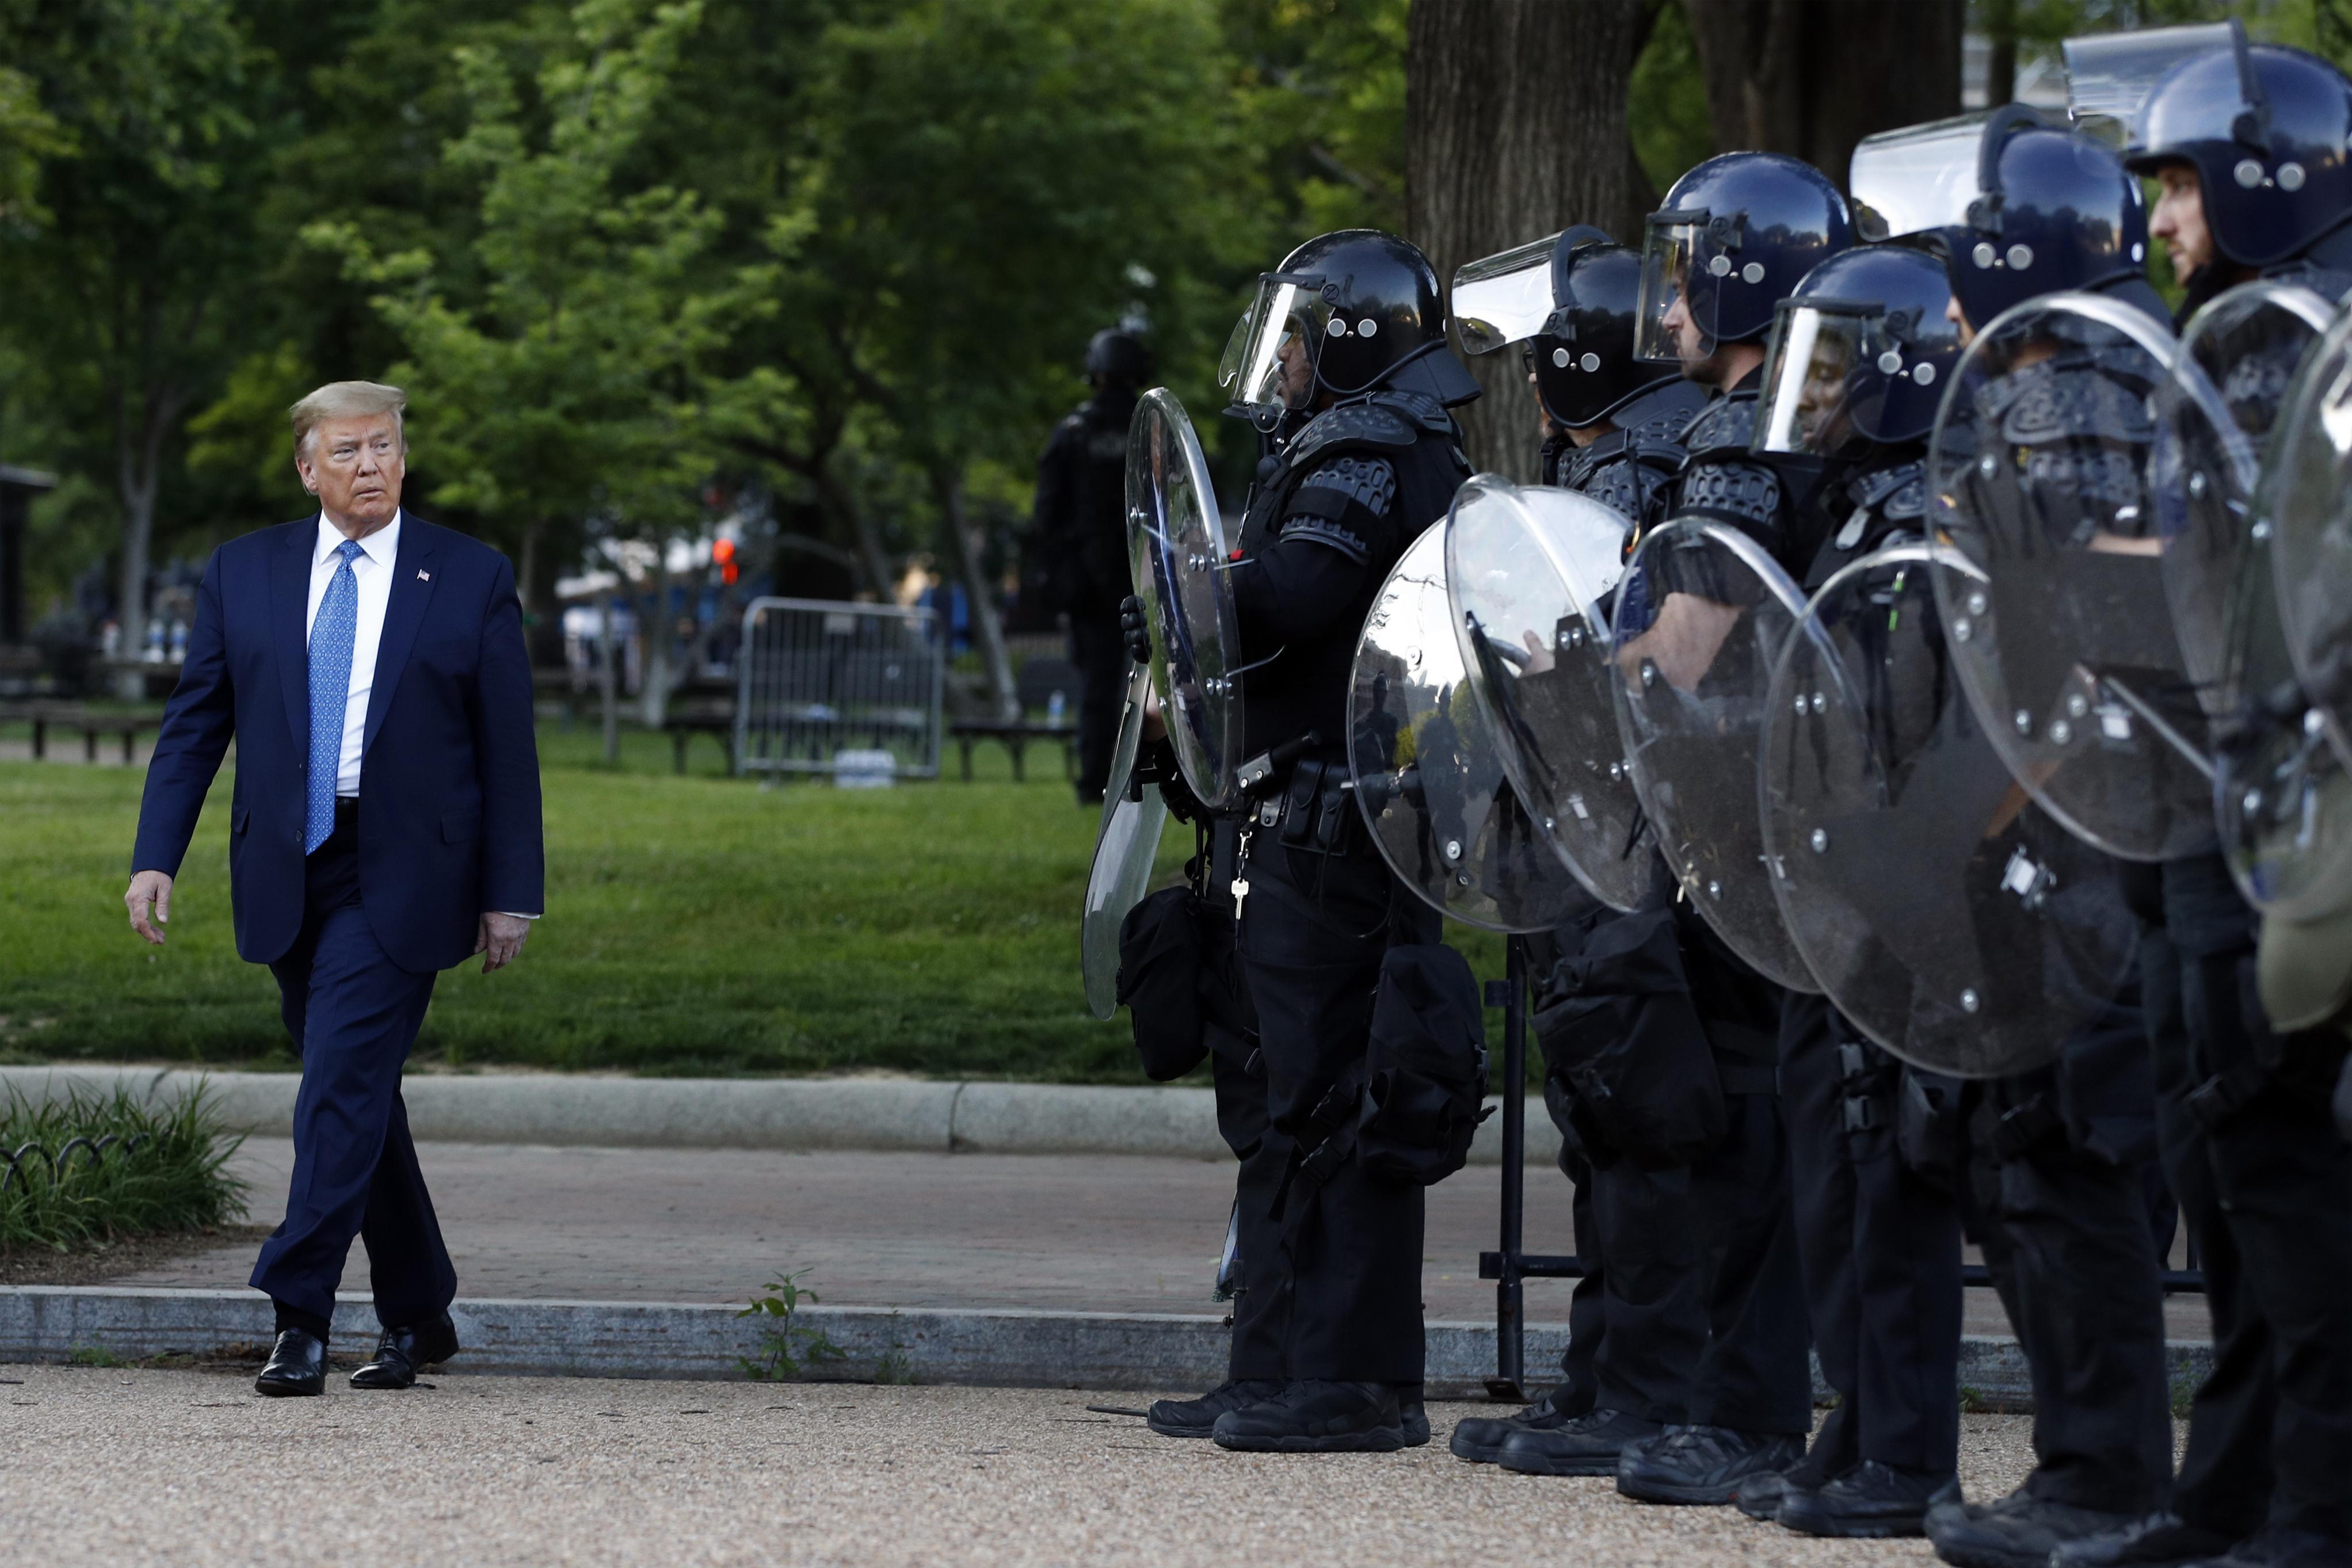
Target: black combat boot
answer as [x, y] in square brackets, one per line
[1198, 1417]
[1480, 1438]
[2158, 1540]
[1318, 1417]
[1592, 1444]
[1761, 1494]
[2019, 1530]
[1702, 1464]
[1870, 1502]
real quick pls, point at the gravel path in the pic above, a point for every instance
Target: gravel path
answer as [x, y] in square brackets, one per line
[191, 1469]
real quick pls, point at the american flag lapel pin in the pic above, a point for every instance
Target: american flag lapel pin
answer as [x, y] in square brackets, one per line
[422, 575]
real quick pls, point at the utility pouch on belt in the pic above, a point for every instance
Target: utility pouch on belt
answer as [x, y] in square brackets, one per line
[1160, 967]
[1928, 1127]
[1426, 1075]
[1619, 1027]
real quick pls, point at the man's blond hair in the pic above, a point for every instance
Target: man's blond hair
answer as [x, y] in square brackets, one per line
[348, 400]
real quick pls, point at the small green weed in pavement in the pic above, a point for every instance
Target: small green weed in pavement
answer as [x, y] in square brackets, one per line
[101, 1167]
[695, 925]
[791, 1350]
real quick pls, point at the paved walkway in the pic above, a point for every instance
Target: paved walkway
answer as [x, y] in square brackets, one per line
[1075, 1232]
[487, 1470]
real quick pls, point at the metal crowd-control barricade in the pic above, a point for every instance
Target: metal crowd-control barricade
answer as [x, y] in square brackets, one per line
[817, 678]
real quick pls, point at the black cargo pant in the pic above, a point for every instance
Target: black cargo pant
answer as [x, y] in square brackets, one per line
[1755, 1374]
[1637, 1318]
[2266, 1191]
[1262, 1271]
[1312, 932]
[1881, 1245]
[2058, 1197]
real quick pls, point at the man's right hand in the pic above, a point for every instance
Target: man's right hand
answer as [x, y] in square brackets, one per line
[149, 888]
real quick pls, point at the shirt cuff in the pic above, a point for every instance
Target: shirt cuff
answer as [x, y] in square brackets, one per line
[510, 914]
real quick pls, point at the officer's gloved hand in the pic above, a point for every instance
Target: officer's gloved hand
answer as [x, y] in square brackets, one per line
[1137, 632]
[1155, 764]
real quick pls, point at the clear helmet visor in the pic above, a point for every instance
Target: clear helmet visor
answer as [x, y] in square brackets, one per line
[2108, 75]
[1506, 298]
[1273, 368]
[1811, 368]
[1920, 177]
[1670, 252]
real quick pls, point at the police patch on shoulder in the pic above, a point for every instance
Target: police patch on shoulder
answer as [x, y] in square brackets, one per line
[1325, 531]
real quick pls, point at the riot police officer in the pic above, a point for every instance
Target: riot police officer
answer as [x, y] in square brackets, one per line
[1735, 236]
[2056, 1181]
[1081, 519]
[1859, 356]
[1637, 1324]
[1350, 331]
[2249, 143]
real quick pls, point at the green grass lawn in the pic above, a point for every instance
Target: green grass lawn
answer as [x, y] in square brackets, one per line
[695, 925]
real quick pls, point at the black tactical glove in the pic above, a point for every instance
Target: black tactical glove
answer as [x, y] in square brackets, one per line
[1132, 626]
[1155, 764]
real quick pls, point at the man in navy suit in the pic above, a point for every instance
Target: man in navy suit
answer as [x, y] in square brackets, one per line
[385, 826]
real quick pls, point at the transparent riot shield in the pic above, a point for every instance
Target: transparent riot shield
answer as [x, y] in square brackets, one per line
[1941, 910]
[2237, 360]
[1126, 848]
[1701, 616]
[2280, 785]
[1429, 769]
[1176, 549]
[2042, 457]
[2306, 507]
[1530, 572]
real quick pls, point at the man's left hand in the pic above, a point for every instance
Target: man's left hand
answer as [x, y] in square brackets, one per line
[499, 940]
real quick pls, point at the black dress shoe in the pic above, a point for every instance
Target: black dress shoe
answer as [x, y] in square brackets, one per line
[2019, 1530]
[402, 1352]
[1198, 1417]
[1413, 1415]
[2159, 1541]
[297, 1365]
[1702, 1464]
[1870, 1502]
[1592, 1444]
[1318, 1417]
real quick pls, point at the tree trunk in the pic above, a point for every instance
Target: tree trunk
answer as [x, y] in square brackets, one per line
[1999, 21]
[987, 626]
[655, 699]
[1811, 77]
[608, 682]
[1514, 128]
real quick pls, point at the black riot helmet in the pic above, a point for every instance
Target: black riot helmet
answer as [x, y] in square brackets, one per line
[1347, 313]
[1569, 301]
[2018, 206]
[1861, 351]
[1736, 234]
[1117, 360]
[2265, 128]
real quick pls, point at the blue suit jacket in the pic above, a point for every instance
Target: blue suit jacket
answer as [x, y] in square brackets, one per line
[448, 816]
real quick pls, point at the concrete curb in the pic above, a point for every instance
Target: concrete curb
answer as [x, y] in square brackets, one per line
[665, 1340]
[791, 1113]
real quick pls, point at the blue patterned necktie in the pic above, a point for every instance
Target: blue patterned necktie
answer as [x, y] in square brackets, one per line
[332, 632]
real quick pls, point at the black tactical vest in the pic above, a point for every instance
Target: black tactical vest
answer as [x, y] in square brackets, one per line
[1722, 481]
[1306, 688]
[1629, 469]
[1870, 505]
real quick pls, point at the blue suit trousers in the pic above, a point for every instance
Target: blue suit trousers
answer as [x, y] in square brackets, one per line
[354, 1015]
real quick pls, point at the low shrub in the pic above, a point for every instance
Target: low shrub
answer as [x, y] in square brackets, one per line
[100, 1168]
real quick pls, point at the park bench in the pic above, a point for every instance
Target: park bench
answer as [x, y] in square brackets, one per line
[700, 707]
[1040, 681]
[129, 724]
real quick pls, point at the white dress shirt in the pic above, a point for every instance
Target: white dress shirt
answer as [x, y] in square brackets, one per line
[372, 569]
